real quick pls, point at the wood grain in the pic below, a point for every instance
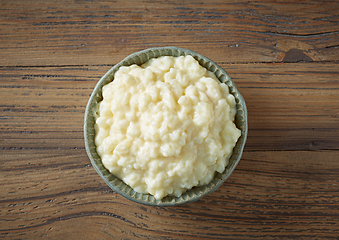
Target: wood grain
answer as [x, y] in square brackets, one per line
[271, 194]
[290, 106]
[90, 32]
[51, 188]
[283, 57]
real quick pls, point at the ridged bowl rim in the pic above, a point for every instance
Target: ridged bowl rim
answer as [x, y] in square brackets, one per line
[195, 193]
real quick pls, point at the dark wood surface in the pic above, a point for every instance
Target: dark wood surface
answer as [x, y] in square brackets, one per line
[282, 55]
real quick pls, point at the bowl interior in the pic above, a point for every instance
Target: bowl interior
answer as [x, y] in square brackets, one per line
[195, 193]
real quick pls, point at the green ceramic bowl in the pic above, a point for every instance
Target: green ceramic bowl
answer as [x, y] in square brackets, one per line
[196, 192]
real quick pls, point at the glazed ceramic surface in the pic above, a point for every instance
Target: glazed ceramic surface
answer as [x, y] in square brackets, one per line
[195, 193]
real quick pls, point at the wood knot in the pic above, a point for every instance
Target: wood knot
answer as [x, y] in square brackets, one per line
[296, 55]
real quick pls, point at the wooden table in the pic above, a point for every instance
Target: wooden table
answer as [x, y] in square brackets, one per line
[283, 57]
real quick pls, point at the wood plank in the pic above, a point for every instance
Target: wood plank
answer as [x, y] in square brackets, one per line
[284, 194]
[90, 32]
[291, 106]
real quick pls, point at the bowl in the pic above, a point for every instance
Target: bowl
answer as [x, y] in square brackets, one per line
[190, 195]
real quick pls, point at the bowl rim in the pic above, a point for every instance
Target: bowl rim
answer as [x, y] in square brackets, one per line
[149, 199]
